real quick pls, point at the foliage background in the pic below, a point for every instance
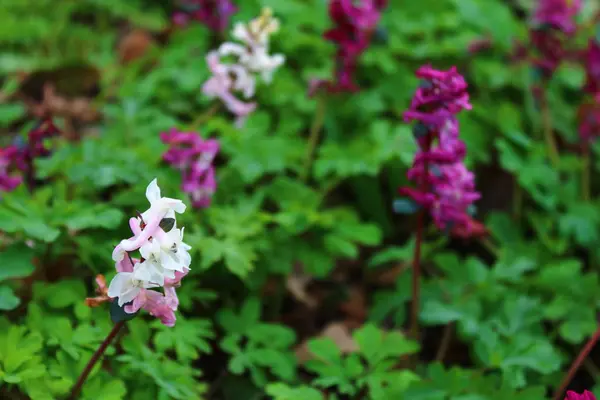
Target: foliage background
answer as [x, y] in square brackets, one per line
[299, 287]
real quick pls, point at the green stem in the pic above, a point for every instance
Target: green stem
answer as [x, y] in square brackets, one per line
[548, 131]
[585, 174]
[203, 117]
[313, 138]
[517, 199]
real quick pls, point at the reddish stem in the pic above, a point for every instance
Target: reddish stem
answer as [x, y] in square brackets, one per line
[88, 368]
[416, 286]
[576, 364]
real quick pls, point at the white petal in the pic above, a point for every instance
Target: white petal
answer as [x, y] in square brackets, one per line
[153, 191]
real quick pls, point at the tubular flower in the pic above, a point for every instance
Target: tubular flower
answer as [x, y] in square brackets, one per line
[165, 260]
[446, 187]
[21, 157]
[586, 395]
[251, 58]
[194, 157]
[552, 23]
[215, 14]
[355, 23]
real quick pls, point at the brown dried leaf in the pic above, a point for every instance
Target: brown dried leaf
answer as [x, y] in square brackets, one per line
[297, 283]
[336, 331]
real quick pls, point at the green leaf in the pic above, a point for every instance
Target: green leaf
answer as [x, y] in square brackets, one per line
[16, 262]
[8, 300]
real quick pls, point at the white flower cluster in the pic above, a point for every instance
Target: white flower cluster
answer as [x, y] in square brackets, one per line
[165, 258]
[251, 59]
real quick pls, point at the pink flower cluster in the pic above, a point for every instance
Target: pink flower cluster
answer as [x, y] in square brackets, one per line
[447, 188]
[586, 395]
[553, 21]
[355, 23]
[15, 158]
[214, 14]
[159, 305]
[194, 157]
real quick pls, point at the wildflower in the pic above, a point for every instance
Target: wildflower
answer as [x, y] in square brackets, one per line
[165, 260]
[589, 120]
[557, 14]
[8, 162]
[160, 207]
[251, 58]
[214, 14]
[589, 111]
[224, 80]
[354, 28]
[21, 157]
[592, 68]
[193, 156]
[586, 395]
[447, 187]
[552, 23]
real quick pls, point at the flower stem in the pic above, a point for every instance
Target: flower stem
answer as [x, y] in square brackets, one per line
[576, 364]
[585, 174]
[88, 368]
[203, 117]
[445, 343]
[313, 139]
[548, 131]
[416, 286]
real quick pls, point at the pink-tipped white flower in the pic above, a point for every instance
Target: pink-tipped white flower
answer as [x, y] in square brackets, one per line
[251, 59]
[165, 260]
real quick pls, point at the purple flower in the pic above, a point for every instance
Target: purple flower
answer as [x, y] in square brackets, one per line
[446, 187]
[553, 20]
[557, 14]
[589, 120]
[355, 24]
[586, 395]
[592, 68]
[21, 157]
[194, 157]
[214, 14]
[8, 163]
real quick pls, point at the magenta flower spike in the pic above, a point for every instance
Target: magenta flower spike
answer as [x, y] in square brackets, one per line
[446, 186]
[586, 395]
[557, 14]
[553, 20]
[194, 157]
[354, 26]
[215, 14]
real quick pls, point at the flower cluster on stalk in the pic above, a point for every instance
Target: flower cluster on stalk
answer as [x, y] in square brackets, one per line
[355, 23]
[16, 161]
[553, 22]
[251, 58]
[194, 157]
[164, 260]
[215, 14]
[446, 188]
